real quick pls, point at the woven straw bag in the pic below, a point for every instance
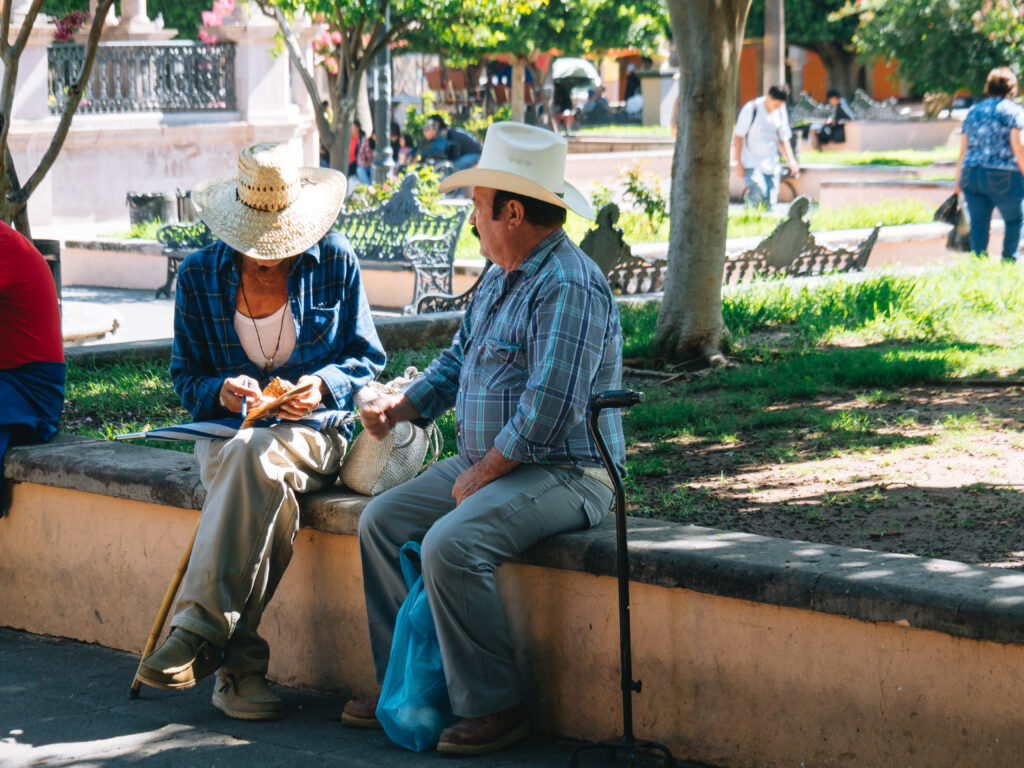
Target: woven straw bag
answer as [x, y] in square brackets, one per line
[373, 466]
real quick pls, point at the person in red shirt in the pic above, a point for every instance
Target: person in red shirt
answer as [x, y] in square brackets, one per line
[32, 355]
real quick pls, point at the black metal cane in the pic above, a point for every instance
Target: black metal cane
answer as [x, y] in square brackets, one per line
[628, 745]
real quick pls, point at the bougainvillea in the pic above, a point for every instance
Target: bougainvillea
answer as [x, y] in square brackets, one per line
[215, 17]
[66, 26]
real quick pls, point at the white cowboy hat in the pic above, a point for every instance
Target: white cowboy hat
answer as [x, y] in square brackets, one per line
[273, 208]
[527, 160]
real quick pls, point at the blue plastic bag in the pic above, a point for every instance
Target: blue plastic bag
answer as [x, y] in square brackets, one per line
[414, 707]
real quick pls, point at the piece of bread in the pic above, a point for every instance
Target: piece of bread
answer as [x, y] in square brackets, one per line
[277, 387]
[274, 407]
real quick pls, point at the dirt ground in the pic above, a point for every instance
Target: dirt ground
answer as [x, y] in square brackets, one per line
[938, 472]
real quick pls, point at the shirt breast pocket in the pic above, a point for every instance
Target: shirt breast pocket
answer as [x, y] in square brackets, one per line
[502, 364]
[322, 323]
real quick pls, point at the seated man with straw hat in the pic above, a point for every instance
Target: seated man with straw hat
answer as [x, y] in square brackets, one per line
[540, 337]
[279, 295]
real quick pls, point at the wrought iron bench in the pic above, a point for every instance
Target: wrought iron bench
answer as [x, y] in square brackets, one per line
[179, 240]
[789, 250]
[400, 231]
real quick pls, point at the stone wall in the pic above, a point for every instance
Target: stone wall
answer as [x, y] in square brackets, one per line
[107, 156]
[753, 651]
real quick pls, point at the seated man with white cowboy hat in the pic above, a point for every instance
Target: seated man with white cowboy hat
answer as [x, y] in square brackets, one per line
[279, 295]
[540, 337]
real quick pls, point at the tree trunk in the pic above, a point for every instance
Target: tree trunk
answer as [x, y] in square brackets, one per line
[709, 37]
[841, 67]
[517, 89]
[344, 95]
[774, 56]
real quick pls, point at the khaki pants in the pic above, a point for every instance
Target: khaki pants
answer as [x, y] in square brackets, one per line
[461, 548]
[248, 524]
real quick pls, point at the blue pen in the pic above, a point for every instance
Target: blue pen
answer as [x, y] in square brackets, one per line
[245, 407]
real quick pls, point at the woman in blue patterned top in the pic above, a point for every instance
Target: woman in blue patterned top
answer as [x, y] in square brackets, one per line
[991, 163]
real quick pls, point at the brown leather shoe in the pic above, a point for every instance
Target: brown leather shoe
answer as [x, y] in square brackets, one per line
[361, 713]
[184, 659]
[479, 735]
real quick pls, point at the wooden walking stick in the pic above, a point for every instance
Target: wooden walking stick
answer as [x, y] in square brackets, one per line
[165, 608]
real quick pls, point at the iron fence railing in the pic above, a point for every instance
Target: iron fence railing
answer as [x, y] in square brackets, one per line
[174, 76]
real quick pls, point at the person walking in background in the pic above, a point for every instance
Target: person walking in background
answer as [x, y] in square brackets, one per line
[353, 147]
[364, 158]
[991, 163]
[762, 132]
[405, 148]
[32, 355]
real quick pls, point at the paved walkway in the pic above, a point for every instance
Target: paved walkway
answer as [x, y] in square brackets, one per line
[65, 703]
[138, 315]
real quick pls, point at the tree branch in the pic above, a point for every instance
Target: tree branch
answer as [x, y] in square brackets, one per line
[75, 94]
[5, 30]
[26, 25]
[19, 216]
[295, 54]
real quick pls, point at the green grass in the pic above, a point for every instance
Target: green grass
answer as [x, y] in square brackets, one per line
[105, 400]
[144, 231]
[859, 342]
[896, 332]
[624, 130]
[914, 157]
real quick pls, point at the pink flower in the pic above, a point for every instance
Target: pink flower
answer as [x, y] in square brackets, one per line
[206, 37]
[336, 37]
[223, 7]
[212, 19]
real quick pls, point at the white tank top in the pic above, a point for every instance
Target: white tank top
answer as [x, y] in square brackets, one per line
[257, 332]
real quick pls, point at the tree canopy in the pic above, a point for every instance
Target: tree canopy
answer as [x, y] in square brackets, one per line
[807, 23]
[357, 32]
[939, 44]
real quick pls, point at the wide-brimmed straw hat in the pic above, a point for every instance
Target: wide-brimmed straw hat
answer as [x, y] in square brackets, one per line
[273, 208]
[527, 160]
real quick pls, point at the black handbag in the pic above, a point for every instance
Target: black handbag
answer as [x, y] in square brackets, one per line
[953, 211]
[949, 211]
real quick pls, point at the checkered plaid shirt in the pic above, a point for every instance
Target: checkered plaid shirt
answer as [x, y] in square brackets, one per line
[335, 338]
[535, 344]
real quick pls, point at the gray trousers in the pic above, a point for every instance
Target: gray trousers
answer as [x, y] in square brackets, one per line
[249, 522]
[461, 548]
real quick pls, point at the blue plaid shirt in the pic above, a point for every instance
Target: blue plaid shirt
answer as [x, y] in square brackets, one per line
[535, 344]
[335, 338]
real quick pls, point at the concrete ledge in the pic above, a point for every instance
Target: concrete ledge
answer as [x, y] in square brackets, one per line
[754, 651]
[941, 595]
[836, 193]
